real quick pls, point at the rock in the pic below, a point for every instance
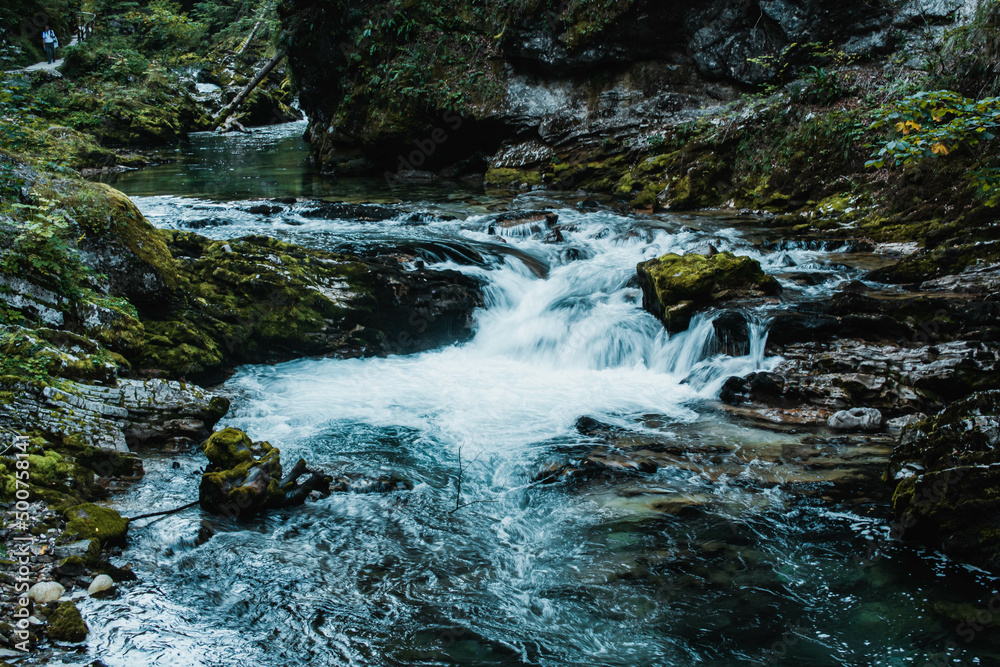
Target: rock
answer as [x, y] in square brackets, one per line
[66, 624]
[101, 585]
[524, 224]
[90, 401]
[946, 473]
[244, 478]
[88, 550]
[89, 521]
[228, 448]
[345, 211]
[898, 424]
[674, 287]
[72, 567]
[564, 78]
[760, 387]
[856, 419]
[732, 333]
[269, 301]
[46, 591]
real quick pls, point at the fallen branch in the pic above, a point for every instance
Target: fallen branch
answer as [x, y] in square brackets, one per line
[249, 88]
[152, 514]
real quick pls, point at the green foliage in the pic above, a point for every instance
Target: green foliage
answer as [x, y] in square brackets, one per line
[935, 124]
[586, 19]
[819, 81]
[970, 59]
[820, 86]
[44, 247]
[115, 58]
[162, 26]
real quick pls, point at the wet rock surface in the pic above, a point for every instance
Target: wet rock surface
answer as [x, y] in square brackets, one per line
[244, 478]
[674, 287]
[256, 299]
[946, 474]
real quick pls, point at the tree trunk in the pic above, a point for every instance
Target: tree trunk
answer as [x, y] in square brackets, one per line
[243, 94]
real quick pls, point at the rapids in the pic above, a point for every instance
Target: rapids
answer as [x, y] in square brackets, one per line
[725, 555]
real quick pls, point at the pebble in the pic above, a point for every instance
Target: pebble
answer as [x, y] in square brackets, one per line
[46, 591]
[101, 583]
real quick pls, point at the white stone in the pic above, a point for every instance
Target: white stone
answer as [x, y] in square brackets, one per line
[46, 591]
[856, 419]
[101, 583]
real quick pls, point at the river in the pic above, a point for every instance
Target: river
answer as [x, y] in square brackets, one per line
[728, 553]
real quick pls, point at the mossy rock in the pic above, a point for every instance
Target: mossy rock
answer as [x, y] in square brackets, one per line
[66, 624]
[507, 177]
[946, 473]
[242, 478]
[674, 287]
[228, 448]
[88, 521]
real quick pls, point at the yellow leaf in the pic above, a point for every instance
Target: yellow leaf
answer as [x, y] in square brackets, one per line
[939, 149]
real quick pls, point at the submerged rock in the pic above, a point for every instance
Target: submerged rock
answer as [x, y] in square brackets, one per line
[674, 287]
[522, 224]
[244, 478]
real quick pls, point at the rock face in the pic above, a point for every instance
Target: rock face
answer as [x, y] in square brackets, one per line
[946, 473]
[244, 478]
[674, 287]
[75, 391]
[514, 79]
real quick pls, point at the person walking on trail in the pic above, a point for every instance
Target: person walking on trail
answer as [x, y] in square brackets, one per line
[50, 42]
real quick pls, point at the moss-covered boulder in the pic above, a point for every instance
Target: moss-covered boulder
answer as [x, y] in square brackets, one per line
[66, 624]
[674, 287]
[88, 521]
[258, 300]
[228, 448]
[946, 474]
[244, 478]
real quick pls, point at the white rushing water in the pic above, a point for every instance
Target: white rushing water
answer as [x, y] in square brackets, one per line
[547, 351]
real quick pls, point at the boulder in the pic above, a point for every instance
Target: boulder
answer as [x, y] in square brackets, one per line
[101, 585]
[675, 287]
[244, 478]
[259, 300]
[855, 419]
[90, 521]
[946, 474]
[66, 624]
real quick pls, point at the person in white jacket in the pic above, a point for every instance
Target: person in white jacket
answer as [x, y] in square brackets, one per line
[50, 42]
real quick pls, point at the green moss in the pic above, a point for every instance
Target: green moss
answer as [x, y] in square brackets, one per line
[675, 286]
[512, 177]
[228, 448]
[105, 212]
[66, 624]
[87, 521]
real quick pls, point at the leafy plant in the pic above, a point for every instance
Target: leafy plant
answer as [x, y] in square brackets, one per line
[44, 246]
[935, 124]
